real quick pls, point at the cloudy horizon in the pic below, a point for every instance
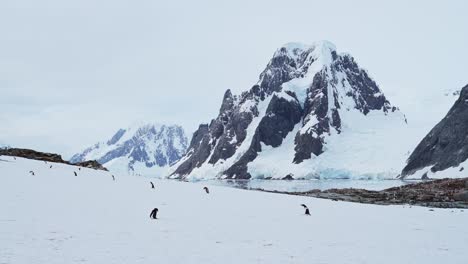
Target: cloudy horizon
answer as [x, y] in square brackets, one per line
[72, 73]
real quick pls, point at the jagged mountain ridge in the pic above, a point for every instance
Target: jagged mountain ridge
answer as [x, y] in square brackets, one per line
[446, 145]
[138, 148]
[305, 90]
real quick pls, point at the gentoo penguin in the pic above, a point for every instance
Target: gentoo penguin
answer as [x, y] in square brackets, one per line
[206, 189]
[32, 173]
[75, 173]
[152, 185]
[153, 213]
[306, 209]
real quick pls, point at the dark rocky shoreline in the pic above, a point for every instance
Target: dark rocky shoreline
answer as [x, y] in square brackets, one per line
[443, 193]
[50, 157]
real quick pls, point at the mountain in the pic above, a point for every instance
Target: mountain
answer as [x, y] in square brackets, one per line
[146, 149]
[444, 151]
[311, 114]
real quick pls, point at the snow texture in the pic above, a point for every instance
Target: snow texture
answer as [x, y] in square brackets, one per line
[55, 218]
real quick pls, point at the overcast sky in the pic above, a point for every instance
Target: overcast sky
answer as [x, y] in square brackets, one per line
[73, 72]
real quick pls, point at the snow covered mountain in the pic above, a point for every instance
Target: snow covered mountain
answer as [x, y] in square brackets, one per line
[313, 113]
[443, 152]
[146, 149]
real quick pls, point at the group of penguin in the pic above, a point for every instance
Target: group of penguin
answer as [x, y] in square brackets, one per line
[154, 212]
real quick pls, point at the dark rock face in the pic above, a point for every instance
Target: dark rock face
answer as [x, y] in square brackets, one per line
[148, 144]
[278, 110]
[446, 145]
[50, 157]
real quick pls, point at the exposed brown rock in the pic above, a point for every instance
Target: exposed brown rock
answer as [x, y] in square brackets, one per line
[444, 193]
[51, 157]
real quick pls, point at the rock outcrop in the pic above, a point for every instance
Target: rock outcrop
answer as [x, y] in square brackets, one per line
[446, 145]
[442, 193]
[49, 157]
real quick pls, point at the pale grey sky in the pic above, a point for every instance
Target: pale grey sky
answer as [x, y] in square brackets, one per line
[72, 72]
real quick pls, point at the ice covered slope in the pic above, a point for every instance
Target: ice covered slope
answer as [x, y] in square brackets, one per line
[443, 152]
[147, 149]
[55, 218]
[313, 113]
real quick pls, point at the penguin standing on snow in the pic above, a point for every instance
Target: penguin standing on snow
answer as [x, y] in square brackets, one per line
[306, 209]
[32, 173]
[206, 190]
[75, 173]
[50, 167]
[79, 168]
[113, 178]
[152, 185]
[154, 213]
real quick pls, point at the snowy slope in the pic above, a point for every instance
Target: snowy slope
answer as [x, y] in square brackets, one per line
[145, 149]
[55, 218]
[314, 113]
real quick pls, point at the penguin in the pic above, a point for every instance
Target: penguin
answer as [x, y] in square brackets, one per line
[154, 213]
[206, 189]
[306, 209]
[152, 185]
[50, 167]
[113, 178]
[79, 168]
[32, 173]
[75, 173]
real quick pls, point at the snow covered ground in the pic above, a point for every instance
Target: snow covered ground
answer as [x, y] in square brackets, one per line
[55, 217]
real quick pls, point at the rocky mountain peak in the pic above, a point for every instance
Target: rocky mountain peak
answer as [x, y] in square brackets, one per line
[304, 90]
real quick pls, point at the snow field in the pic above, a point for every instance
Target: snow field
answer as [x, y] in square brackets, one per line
[55, 217]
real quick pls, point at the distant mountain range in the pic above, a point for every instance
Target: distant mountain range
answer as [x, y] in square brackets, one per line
[147, 149]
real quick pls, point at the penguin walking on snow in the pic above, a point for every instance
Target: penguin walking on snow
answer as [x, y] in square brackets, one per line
[152, 185]
[206, 190]
[32, 173]
[306, 209]
[50, 167]
[75, 173]
[154, 213]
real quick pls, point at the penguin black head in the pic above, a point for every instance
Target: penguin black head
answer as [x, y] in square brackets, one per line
[206, 189]
[303, 205]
